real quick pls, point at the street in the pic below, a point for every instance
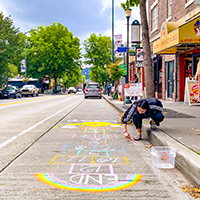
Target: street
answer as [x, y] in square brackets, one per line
[66, 147]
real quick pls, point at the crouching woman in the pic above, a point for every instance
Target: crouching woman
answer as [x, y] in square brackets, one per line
[139, 110]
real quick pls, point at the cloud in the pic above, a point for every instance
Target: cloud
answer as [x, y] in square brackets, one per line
[81, 17]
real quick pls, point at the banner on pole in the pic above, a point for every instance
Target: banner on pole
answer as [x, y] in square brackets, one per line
[23, 66]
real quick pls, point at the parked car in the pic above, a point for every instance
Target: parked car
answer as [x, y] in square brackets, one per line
[72, 90]
[11, 92]
[27, 90]
[93, 90]
[1, 94]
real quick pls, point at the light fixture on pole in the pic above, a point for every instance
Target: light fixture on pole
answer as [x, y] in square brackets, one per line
[127, 15]
[135, 32]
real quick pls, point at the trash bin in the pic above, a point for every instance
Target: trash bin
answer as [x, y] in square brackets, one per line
[163, 156]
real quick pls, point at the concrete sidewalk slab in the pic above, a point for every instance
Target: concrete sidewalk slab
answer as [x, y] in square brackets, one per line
[180, 133]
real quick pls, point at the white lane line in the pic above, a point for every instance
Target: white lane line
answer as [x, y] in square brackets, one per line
[32, 127]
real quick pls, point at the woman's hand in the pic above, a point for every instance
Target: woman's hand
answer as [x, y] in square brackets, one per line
[126, 135]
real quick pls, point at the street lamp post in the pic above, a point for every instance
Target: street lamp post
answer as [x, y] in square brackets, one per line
[128, 15]
[105, 77]
[25, 55]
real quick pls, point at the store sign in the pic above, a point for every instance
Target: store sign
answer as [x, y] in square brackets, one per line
[133, 89]
[192, 92]
[139, 64]
[199, 87]
[139, 55]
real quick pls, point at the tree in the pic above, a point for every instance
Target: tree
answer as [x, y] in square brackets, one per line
[99, 75]
[53, 51]
[11, 46]
[146, 44]
[98, 53]
[13, 71]
[115, 71]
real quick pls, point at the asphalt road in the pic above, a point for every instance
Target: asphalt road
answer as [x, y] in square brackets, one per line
[66, 147]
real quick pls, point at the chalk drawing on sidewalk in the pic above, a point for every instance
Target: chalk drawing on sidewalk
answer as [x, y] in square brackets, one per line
[68, 159]
[93, 148]
[88, 182]
[93, 124]
[91, 169]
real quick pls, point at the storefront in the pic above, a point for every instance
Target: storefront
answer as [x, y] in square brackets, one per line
[157, 74]
[179, 45]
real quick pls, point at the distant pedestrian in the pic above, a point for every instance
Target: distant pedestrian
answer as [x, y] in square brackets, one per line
[136, 81]
[136, 78]
[141, 109]
[108, 89]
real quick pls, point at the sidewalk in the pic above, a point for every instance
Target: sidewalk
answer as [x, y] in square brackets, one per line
[179, 130]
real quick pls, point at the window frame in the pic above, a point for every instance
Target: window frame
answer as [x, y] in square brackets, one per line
[169, 10]
[154, 19]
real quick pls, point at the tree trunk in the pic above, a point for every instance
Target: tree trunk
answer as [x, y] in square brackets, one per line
[149, 84]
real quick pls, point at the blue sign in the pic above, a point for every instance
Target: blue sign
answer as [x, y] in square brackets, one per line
[121, 49]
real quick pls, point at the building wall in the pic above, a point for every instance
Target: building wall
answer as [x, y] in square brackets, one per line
[179, 13]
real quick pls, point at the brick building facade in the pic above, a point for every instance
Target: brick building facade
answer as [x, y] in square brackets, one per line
[174, 44]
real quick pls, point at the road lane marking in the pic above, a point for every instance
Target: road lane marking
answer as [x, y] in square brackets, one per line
[32, 127]
[19, 102]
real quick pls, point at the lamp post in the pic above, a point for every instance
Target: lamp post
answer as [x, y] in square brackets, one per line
[105, 77]
[25, 54]
[127, 15]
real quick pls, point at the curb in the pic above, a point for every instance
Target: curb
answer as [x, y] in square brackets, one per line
[186, 160]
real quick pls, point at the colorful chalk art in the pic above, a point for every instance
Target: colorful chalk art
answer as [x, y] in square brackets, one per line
[91, 170]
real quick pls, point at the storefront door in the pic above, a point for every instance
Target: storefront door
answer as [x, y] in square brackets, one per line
[170, 78]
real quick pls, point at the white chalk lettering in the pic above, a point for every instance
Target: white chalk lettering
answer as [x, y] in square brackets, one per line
[100, 181]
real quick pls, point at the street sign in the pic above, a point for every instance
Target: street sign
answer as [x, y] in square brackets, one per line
[139, 64]
[121, 49]
[139, 55]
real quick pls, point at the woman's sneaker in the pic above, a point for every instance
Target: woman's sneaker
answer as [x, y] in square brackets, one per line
[153, 125]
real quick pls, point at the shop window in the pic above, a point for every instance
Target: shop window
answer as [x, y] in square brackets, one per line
[169, 78]
[154, 17]
[195, 60]
[169, 8]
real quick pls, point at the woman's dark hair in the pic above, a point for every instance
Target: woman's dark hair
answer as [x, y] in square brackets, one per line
[143, 104]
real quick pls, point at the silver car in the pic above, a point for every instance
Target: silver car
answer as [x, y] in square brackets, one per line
[93, 90]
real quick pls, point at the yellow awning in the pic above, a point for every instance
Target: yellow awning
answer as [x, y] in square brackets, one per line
[176, 37]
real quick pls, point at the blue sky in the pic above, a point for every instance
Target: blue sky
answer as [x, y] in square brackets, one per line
[81, 17]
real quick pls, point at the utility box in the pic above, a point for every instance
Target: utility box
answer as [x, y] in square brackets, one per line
[163, 156]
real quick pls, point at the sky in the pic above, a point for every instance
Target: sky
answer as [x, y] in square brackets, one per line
[81, 17]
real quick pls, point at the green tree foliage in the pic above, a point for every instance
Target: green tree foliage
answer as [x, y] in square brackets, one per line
[99, 75]
[72, 78]
[11, 47]
[98, 53]
[53, 51]
[115, 71]
[146, 44]
[130, 3]
[13, 71]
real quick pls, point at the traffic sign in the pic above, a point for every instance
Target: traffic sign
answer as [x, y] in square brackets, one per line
[121, 49]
